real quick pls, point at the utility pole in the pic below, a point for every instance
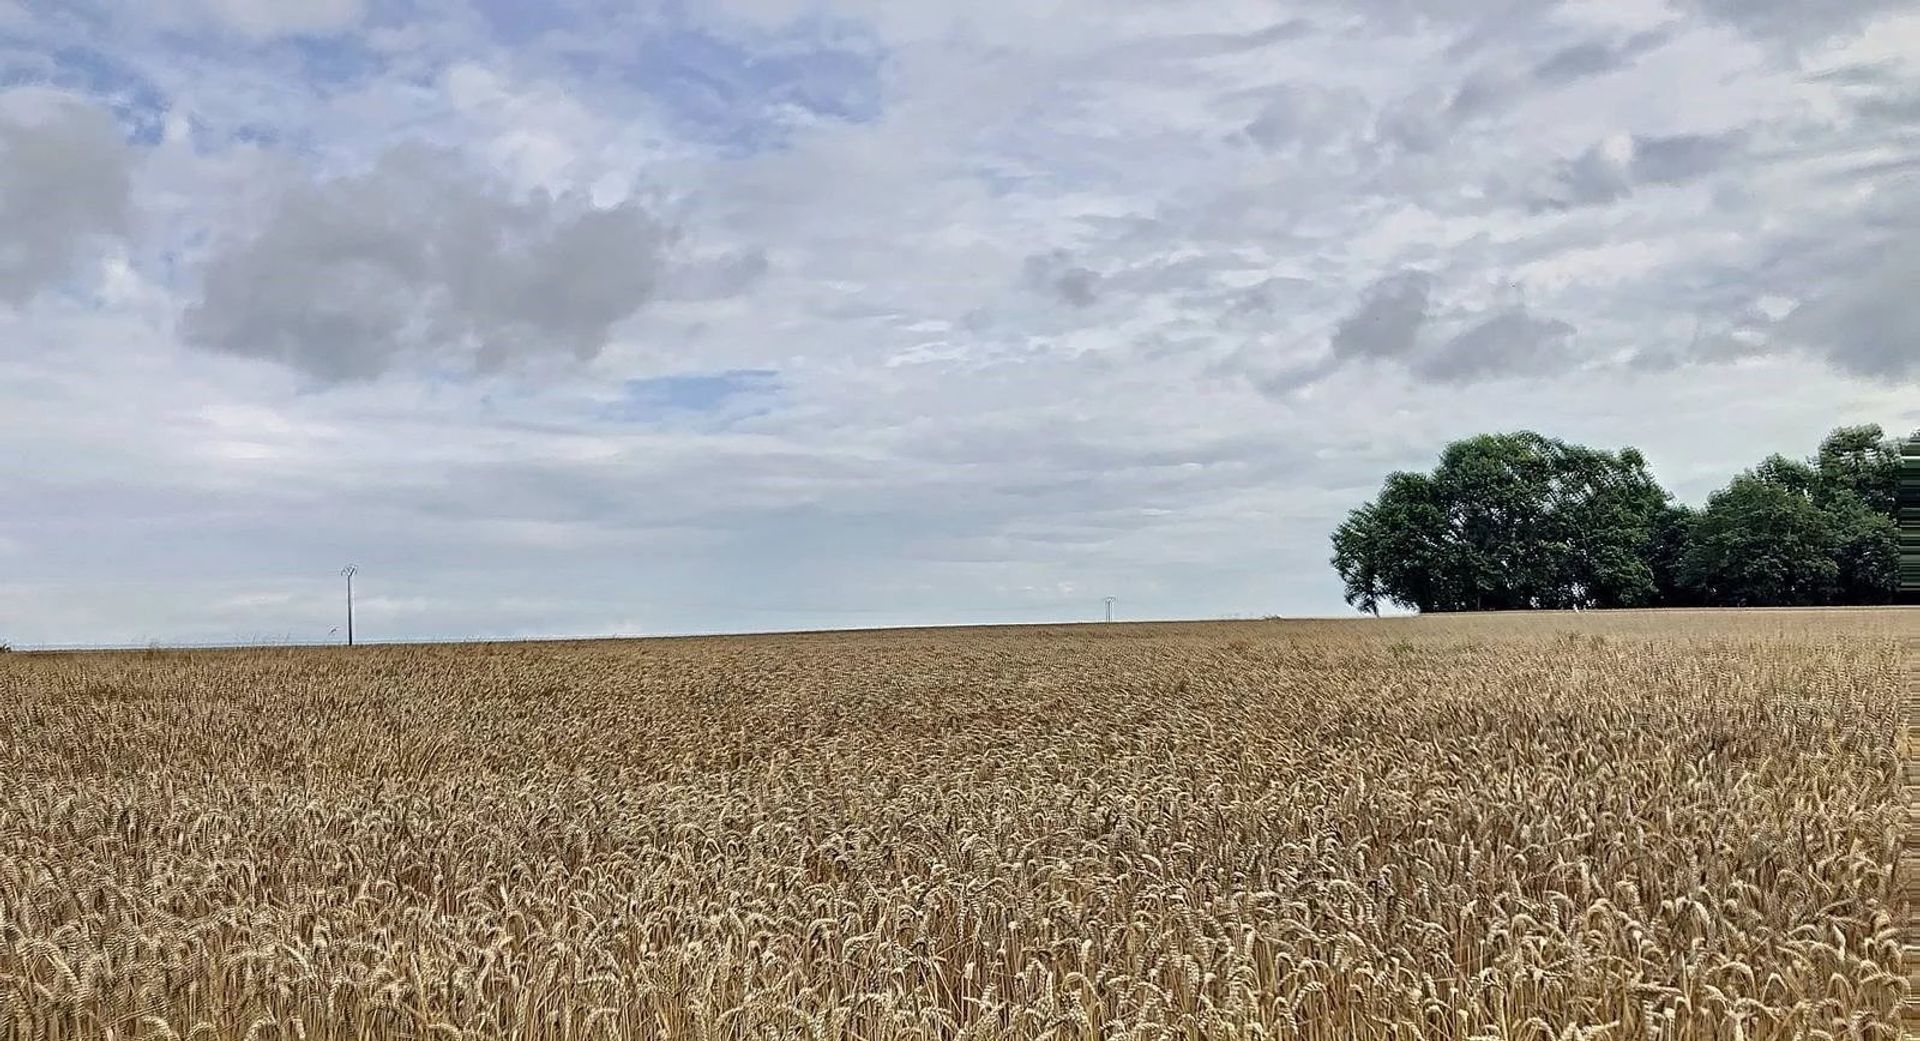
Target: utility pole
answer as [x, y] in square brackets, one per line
[348, 572]
[1109, 603]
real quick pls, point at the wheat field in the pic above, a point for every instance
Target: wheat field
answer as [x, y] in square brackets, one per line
[1632, 825]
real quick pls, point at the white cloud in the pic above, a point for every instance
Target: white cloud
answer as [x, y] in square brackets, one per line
[253, 601]
[1571, 270]
[534, 134]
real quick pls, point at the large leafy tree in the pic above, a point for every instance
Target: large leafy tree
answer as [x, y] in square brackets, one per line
[1814, 532]
[1862, 461]
[1517, 521]
[1507, 521]
[1762, 542]
[1385, 553]
[1907, 519]
[1866, 553]
[1860, 470]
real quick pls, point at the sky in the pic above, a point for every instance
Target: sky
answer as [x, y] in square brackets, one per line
[584, 317]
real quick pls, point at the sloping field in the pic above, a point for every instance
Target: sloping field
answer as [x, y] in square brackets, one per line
[1677, 825]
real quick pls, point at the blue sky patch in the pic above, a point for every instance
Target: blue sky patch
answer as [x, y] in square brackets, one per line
[139, 103]
[335, 60]
[733, 394]
[517, 21]
[740, 95]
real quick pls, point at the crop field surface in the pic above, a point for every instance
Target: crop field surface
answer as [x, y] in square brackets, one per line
[1619, 825]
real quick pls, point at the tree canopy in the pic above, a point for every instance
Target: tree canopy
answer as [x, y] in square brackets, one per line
[1760, 543]
[1506, 521]
[1518, 520]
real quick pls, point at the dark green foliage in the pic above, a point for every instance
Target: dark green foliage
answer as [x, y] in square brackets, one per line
[1860, 460]
[1909, 521]
[1791, 474]
[1760, 543]
[1803, 533]
[1666, 551]
[1506, 521]
[1514, 521]
[1866, 551]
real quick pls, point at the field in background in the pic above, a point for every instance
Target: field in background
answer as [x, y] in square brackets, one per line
[1676, 825]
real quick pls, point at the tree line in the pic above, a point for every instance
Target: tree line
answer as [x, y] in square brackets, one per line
[1518, 521]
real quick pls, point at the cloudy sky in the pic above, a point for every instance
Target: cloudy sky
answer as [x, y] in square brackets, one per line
[571, 318]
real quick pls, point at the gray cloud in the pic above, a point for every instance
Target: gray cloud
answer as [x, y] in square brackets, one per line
[1427, 120]
[1056, 275]
[65, 171]
[1742, 338]
[1306, 115]
[1597, 176]
[1208, 45]
[1682, 157]
[419, 260]
[1867, 325]
[1795, 21]
[1899, 108]
[1384, 326]
[1470, 23]
[1877, 91]
[1598, 57]
[1418, 123]
[1610, 171]
[1485, 91]
[1388, 321]
[1258, 301]
[1512, 342]
[1388, 326]
[1849, 276]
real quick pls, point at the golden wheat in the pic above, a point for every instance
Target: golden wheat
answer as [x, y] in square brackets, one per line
[1677, 825]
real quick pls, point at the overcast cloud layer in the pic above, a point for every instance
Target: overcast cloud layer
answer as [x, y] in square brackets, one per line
[753, 314]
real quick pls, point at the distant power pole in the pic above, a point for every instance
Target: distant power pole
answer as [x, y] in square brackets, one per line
[1109, 603]
[348, 572]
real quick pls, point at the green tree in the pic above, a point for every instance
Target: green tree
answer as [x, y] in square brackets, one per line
[1852, 481]
[1866, 552]
[1792, 474]
[1354, 560]
[1762, 542]
[1506, 521]
[1861, 461]
[1665, 550]
[1384, 552]
[1908, 522]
